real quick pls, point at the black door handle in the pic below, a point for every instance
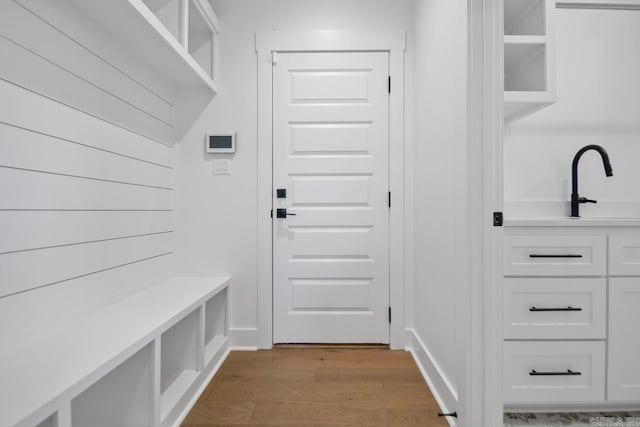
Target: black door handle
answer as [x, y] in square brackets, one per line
[282, 213]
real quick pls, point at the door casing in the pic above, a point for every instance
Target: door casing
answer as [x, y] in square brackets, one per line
[273, 42]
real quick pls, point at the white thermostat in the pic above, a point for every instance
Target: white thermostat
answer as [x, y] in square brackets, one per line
[221, 143]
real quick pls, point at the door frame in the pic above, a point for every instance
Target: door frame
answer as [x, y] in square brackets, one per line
[269, 42]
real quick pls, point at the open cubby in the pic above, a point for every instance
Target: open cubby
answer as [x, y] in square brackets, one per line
[524, 17]
[179, 357]
[201, 40]
[215, 326]
[525, 67]
[123, 397]
[169, 12]
[49, 422]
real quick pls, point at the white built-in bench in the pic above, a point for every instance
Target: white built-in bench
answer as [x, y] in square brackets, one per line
[139, 361]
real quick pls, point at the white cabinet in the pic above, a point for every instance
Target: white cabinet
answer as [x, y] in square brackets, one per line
[529, 57]
[570, 320]
[624, 339]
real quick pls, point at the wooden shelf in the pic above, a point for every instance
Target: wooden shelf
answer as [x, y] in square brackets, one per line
[134, 24]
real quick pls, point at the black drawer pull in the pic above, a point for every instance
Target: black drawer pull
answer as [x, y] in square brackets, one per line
[556, 309]
[568, 372]
[555, 256]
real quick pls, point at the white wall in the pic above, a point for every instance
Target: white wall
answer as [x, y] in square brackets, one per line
[440, 182]
[598, 64]
[86, 206]
[216, 215]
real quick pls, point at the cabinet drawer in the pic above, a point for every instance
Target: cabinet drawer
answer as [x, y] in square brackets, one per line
[554, 308]
[555, 255]
[554, 371]
[624, 256]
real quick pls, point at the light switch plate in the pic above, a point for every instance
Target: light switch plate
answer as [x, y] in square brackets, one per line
[222, 167]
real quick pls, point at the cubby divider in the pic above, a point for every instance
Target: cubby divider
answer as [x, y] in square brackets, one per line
[201, 37]
[179, 360]
[216, 325]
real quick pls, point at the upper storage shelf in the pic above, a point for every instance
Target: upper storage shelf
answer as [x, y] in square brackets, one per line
[158, 32]
[529, 62]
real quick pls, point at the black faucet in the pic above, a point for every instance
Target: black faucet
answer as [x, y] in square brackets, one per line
[575, 198]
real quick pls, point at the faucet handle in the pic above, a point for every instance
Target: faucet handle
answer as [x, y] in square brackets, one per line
[585, 200]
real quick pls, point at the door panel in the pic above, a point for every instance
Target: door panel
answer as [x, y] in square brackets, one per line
[331, 261]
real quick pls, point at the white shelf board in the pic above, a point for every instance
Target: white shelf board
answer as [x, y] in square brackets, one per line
[175, 391]
[134, 25]
[213, 347]
[67, 358]
[521, 104]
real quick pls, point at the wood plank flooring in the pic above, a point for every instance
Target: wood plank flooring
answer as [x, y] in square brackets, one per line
[317, 387]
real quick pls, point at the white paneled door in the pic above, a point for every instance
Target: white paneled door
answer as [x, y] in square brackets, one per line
[331, 251]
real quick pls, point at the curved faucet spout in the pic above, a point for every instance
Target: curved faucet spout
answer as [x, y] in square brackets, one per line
[575, 198]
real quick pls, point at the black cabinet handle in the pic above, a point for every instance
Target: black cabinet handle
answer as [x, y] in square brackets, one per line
[568, 372]
[556, 309]
[555, 256]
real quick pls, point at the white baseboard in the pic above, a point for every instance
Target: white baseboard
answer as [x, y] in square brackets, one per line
[443, 391]
[243, 338]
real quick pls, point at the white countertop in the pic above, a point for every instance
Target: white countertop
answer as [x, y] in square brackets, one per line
[572, 222]
[556, 214]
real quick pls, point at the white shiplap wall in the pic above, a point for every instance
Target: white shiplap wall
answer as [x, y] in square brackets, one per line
[86, 176]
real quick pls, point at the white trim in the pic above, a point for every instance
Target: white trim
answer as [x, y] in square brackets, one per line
[482, 390]
[243, 338]
[441, 388]
[330, 40]
[599, 4]
[393, 42]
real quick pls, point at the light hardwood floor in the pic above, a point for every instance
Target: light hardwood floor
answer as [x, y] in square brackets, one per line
[317, 387]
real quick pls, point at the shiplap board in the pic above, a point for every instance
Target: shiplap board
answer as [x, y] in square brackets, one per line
[41, 76]
[27, 190]
[65, 17]
[26, 109]
[21, 271]
[20, 148]
[25, 230]
[26, 28]
[77, 296]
